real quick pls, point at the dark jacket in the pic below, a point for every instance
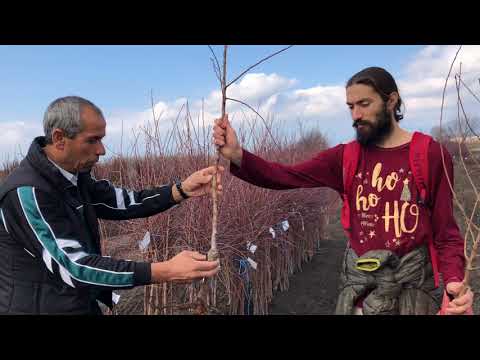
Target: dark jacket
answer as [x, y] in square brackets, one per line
[50, 257]
[388, 284]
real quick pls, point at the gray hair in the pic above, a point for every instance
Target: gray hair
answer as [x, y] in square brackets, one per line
[65, 113]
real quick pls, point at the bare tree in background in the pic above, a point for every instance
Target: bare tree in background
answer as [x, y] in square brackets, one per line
[221, 74]
[464, 128]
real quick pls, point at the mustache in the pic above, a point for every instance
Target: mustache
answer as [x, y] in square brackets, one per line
[356, 124]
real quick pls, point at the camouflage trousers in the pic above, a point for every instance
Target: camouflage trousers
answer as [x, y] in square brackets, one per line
[392, 286]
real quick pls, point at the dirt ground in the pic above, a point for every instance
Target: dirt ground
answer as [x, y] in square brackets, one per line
[314, 290]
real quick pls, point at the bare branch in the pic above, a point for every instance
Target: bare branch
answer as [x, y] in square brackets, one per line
[258, 63]
[224, 80]
[213, 252]
[460, 147]
[264, 121]
[217, 74]
[459, 79]
[441, 147]
[216, 66]
[470, 91]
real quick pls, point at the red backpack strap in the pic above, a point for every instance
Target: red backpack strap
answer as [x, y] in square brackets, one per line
[419, 164]
[351, 156]
[420, 169]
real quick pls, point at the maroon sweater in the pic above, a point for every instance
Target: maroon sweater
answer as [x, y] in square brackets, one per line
[384, 213]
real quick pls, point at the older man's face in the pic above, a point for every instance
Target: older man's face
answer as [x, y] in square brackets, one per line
[84, 151]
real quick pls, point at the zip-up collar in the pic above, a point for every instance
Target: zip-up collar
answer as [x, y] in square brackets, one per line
[68, 175]
[37, 158]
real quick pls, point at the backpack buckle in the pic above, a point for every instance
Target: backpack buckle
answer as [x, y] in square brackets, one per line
[421, 199]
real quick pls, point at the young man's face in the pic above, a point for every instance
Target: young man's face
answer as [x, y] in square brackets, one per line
[371, 118]
[84, 150]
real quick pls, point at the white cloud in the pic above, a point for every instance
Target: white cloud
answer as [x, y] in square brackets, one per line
[260, 91]
[324, 105]
[423, 86]
[435, 61]
[253, 87]
[283, 98]
[17, 137]
[415, 87]
[423, 103]
[427, 73]
[318, 101]
[269, 94]
[130, 123]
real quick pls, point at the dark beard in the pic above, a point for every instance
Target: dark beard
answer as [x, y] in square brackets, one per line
[376, 132]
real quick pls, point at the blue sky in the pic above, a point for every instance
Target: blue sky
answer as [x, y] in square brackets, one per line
[122, 76]
[304, 82]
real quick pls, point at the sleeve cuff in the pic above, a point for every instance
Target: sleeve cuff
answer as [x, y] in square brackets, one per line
[452, 279]
[143, 274]
[234, 169]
